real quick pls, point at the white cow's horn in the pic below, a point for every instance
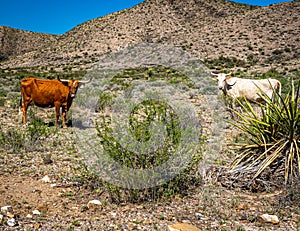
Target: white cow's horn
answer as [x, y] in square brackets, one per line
[62, 80]
[213, 74]
[84, 82]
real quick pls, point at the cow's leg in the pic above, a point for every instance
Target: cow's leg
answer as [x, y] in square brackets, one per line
[63, 116]
[229, 104]
[57, 111]
[233, 108]
[24, 108]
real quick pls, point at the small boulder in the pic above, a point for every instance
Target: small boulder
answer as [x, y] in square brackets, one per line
[182, 227]
[36, 212]
[29, 216]
[94, 204]
[42, 208]
[36, 226]
[6, 209]
[269, 218]
[12, 222]
[46, 179]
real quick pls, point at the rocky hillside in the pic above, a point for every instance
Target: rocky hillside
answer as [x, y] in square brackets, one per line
[252, 37]
[15, 42]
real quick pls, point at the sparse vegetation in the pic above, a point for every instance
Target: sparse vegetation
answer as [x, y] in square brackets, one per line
[225, 35]
[141, 118]
[225, 63]
[30, 138]
[223, 30]
[140, 124]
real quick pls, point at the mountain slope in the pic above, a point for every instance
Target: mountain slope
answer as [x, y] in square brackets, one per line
[15, 42]
[257, 36]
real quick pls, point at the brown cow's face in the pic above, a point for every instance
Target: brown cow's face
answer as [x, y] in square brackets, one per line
[73, 86]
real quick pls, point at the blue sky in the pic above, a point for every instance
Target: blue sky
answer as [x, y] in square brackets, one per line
[60, 16]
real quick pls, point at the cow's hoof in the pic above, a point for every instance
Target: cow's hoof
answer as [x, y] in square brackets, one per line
[25, 125]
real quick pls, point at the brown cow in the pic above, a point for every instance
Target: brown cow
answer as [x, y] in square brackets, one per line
[49, 93]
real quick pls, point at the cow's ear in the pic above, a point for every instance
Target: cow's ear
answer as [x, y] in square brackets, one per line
[228, 76]
[215, 78]
[81, 84]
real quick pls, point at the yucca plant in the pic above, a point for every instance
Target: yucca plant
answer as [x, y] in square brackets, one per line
[273, 135]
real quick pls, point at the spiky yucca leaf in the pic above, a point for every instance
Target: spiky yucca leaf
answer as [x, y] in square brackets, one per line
[273, 134]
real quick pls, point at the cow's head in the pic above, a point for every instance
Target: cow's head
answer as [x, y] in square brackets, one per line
[73, 85]
[221, 78]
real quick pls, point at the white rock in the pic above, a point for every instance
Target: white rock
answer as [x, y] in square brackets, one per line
[5, 210]
[94, 204]
[36, 212]
[114, 214]
[269, 218]
[1, 218]
[12, 222]
[182, 227]
[29, 216]
[46, 179]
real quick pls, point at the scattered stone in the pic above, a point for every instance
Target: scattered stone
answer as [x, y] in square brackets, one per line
[1, 218]
[93, 204]
[7, 210]
[36, 212]
[12, 222]
[46, 179]
[75, 208]
[36, 225]
[47, 158]
[42, 208]
[182, 227]
[269, 218]
[53, 185]
[200, 216]
[29, 216]
[244, 219]
[10, 215]
[242, 207]
[113, 214]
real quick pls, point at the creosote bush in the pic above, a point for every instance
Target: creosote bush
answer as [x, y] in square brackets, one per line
[273, 138]
[139, 123]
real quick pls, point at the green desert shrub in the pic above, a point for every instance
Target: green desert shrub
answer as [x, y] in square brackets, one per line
[30, 138]
[141, 118]
[12, 139]
[105, 99]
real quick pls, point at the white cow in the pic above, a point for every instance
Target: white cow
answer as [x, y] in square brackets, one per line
[250, 89]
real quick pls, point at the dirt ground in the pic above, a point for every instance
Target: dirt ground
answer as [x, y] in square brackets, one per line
[62, 200]
[210, 207]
